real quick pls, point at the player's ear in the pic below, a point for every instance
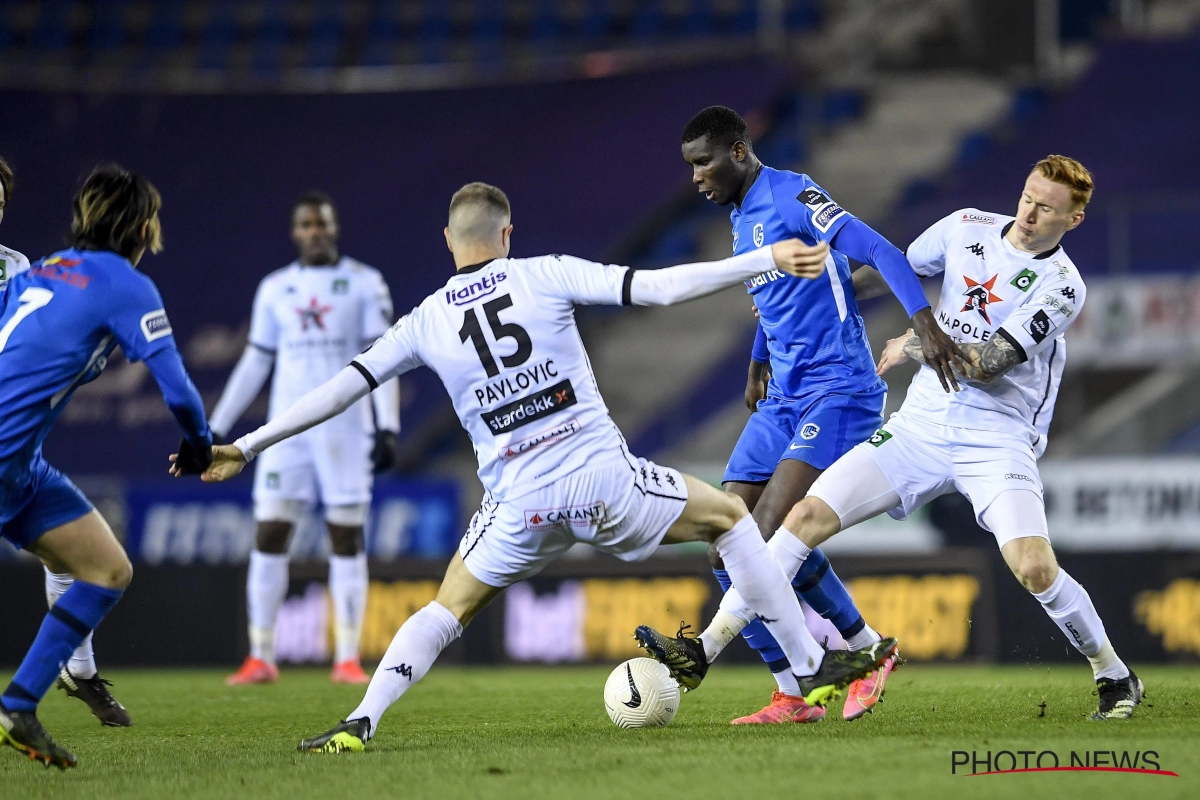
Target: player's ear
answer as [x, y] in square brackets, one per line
[449, 244]
[1076, 220]
[506, 237]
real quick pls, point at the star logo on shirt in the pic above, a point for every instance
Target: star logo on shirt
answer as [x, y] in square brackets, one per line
[314, 313]
[979, 295]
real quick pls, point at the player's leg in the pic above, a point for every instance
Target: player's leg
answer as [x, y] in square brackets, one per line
[1018, 520]
[60, 526]
[79, 677]
[348, 585]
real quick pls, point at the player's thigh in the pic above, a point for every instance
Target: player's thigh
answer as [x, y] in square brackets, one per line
[1017, 518]
[762, 442]
[341, 457]
[87, 549]
[462, 593]
[500, 548]
[828, 425]
[999, 475]
[749, 492]
[707, 514]
[854, 489]
[284, 472]
[787, 487]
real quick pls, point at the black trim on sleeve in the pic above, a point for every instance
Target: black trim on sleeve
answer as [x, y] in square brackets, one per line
[374, 384]
[266, 350]
[1049, 383]
[627, 287]
[1008, 337]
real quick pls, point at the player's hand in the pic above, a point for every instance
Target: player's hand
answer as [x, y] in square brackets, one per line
[893, 353]
[939, 349]
[383, 454]
[800, 260]
[756, 384]
[191, 459]
[227, 461]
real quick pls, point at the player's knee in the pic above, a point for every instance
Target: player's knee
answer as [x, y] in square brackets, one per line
[733, 510]
[120, 573]
[806, 521]
[1036, 570]
[272, 537]
[344, 540]
[714, 558]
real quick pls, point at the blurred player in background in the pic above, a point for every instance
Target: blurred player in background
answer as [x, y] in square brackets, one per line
[812, 387]
[555, 466]
[309, 320]
[79, 676]
[62, 319]
[1009, 293]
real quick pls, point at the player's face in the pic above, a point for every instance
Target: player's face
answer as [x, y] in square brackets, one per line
[1044, 213]
[715, 169]
[315, 232]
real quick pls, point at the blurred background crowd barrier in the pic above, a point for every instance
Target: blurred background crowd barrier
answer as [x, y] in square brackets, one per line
[905, 110]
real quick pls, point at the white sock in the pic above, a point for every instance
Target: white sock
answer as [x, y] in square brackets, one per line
[864, 638]
[1070, 606]
[787, 683]
[410, 655]
[266, 587]
[733, 615]
[768, 593]
[83, 660]
[348, 587]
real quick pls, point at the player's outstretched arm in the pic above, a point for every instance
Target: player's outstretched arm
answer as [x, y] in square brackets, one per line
[245, 382]
[180, 395]
[984, 362]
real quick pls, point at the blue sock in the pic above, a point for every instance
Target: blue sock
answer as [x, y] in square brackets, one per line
[73, 617]
[757, 635]
[818, 585]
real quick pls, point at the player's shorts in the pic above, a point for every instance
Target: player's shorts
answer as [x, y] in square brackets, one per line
[817, 430]
[45, 501]
[328, 462]
[622, 508]
[910, 461]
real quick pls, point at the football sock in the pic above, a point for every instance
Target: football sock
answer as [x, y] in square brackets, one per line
[759, 580]
[76, 614]
[83, 660]
[1070, 606]
[348, 588]
[266, 587]
[787, 683]
[410, 655]
[820, 587]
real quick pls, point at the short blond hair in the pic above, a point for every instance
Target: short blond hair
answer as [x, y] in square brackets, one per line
[110, 210]
[1069, 173]
[478, 211]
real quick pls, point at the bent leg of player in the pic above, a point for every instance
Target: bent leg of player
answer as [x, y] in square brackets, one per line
[348, 584]
[1018, 520]
[60, 526]
[79, 676]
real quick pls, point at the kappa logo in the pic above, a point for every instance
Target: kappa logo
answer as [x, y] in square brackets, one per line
[980, 295]
[1039, 326]
[809, 431]
[585, 516]
[1068, 292]
[403, 669]
[977, 249]
[155, 325]
[758, 234]
[879, 437]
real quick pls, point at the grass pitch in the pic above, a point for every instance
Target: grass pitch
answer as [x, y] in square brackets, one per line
[543, 732]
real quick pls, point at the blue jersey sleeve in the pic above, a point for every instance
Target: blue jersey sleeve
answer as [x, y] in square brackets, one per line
[808, 209]
[166, 365]
[857, 240]
[137, 318]
[759, 352]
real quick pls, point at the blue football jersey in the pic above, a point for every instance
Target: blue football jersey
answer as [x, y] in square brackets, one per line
[61, 321]
[814, 333]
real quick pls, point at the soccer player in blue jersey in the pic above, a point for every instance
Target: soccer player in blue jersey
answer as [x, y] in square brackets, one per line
[61, 321]
[811, 384]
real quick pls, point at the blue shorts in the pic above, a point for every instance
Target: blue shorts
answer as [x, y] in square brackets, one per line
[47, 500]
[817, 430]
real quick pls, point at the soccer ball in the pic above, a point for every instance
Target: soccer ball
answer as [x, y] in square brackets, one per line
[641, 694]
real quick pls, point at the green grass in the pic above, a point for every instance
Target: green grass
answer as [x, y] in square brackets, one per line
[542, 732]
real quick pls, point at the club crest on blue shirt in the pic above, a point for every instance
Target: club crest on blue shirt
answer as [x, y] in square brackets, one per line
[809, 431]
[758, 234]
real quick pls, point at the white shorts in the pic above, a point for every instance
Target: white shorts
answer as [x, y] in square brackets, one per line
[622, 508]
[910, 461]
[328, 462]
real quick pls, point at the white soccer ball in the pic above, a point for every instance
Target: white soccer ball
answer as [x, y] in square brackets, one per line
[641, 694]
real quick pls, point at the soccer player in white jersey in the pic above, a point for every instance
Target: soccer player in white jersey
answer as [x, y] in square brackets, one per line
[501, 335]
[1009, 292]
[309, 319]
[79, 677]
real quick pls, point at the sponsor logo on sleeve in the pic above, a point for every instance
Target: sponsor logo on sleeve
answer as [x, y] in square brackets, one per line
[1024, 279]
[814, 198]
[1039, 326]
[974, 218]
[155, 325]
[1058, 305]
[543, 438]
[879, 437]
[824, 210]
[532, 407]
[809, 431]
[584, 516]
[465, 294]
[824, 218]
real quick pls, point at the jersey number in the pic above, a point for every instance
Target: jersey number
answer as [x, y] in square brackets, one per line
[472, 330]
[31, 299]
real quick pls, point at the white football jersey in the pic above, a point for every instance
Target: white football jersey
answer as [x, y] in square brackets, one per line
[991, 288]
[316, 320]
[11, 263]
[501, 335]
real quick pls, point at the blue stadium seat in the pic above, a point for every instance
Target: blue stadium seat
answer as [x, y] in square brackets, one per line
[597, 21]
[489, 31]
[325, 38]
[746, 19]
[272, 33]
[547, 24]
[51, 33]
[699, 18]
[434, 31]
[802, 15]
[383, 31]
[109, 27]
[647, 20]
[219, 35]
[164, 34]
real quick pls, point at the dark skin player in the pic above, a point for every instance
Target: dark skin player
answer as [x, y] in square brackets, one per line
[724, 175]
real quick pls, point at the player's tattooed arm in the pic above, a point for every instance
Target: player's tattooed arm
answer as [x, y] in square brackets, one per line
[985, 361]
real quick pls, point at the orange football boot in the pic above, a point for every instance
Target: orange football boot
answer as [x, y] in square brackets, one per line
[864, 693]
[783, 708]
[253, 670]
[349, 671]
